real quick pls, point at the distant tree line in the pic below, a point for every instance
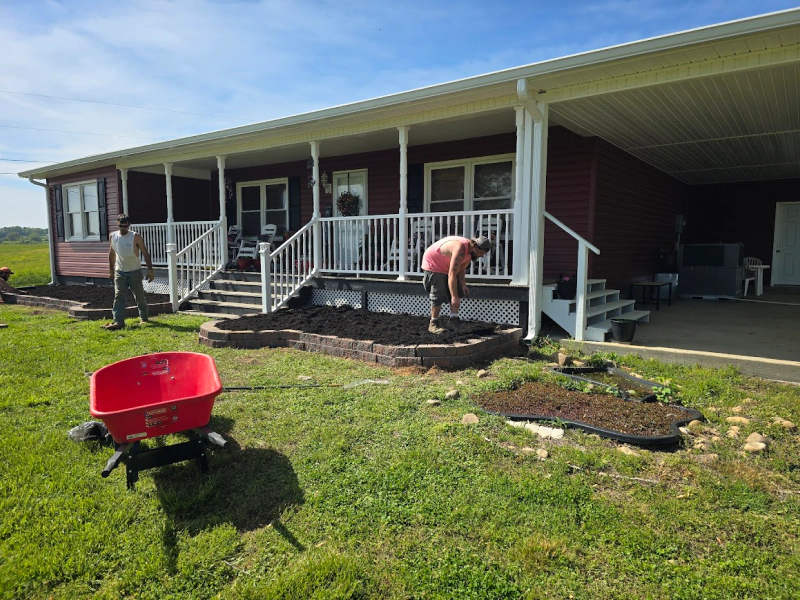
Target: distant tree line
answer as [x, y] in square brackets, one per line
[22, 235]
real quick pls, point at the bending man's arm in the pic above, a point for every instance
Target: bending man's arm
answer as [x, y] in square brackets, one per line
[454, 276]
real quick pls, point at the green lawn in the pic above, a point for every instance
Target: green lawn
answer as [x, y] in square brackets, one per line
[369, 492]
[30, 263]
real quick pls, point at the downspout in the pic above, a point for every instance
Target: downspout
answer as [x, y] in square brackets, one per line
[49, 229]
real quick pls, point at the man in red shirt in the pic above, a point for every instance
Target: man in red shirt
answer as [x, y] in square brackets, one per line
[445, 265]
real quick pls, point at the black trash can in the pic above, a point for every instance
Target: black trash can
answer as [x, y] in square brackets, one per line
[622, 330]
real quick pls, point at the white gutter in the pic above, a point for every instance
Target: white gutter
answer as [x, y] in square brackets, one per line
[49, 229]
[671, 42]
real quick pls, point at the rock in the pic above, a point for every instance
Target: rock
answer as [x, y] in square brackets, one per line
[787, 425]
[684, 430]
[482, 373]
[594, 436]
[562, 359]
[304, 377]
[516, 423]
[469, 419]
[757, 438]
[544, 432]
[628, 450]
[578, 363]
[695, 423]
[532, 427]
[737, 410]
[459, 382]
[738, 420]
[451, 395]
[528, 450]
[557, 434]
[708, 458]
[542, 453]
[755, 447]
[702, 445]
[434, 402]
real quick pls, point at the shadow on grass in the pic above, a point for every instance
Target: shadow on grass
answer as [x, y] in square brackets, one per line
[162, 325]
[248, 488]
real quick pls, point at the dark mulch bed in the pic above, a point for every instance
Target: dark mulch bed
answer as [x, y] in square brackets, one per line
[649, 419]
[358, 324]
[96, 296]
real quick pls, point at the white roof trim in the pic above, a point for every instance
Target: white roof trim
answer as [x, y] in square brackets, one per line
[670, 42]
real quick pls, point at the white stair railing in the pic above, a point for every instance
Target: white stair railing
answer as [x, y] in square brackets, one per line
[193, 266]
[583, 269]
[287, 269]
[155, 236]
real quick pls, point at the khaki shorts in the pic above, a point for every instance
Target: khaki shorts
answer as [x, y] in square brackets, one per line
[436, 284]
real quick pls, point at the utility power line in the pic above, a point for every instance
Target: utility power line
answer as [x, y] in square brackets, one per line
[182, 112]
[23, 160]
[80, 132]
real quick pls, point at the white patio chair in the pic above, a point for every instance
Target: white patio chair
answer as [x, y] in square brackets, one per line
[234, 238]
[268, 233]
[749, 274]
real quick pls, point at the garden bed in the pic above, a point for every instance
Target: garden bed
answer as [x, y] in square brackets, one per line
[86, 302]
[641, 423]
[630, 387]
[385, 338]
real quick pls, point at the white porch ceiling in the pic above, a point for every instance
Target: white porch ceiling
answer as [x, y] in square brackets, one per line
[732, 127]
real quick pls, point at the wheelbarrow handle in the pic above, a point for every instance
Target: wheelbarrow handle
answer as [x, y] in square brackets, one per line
[113, 462]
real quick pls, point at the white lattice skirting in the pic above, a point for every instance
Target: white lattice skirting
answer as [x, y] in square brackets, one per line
[160, 285]
[493, 311]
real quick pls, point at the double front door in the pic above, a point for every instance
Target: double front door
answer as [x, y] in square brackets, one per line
[261, 203]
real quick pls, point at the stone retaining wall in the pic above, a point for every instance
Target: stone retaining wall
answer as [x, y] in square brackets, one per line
[76, 310]
[449, 356]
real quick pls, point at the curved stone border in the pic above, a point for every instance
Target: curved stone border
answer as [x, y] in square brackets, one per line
[76, 310]
[447, 356]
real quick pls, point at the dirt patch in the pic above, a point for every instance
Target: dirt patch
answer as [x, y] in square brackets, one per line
[358, 324]
[650, 419]
[95, 295]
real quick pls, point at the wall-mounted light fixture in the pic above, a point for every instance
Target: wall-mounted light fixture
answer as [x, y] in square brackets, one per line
[324, 181]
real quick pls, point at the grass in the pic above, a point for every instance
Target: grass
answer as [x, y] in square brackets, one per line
[369, 492]
[30, 263]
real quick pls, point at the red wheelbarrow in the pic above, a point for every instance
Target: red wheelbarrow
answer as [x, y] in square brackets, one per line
[153, 395]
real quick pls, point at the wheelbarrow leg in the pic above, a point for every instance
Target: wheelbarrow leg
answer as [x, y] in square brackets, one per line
[113, 462]
[132, 467]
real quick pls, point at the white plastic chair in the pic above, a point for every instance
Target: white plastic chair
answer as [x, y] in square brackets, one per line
[490, 227]
[268, 233]
[749, 274]
[248, 249]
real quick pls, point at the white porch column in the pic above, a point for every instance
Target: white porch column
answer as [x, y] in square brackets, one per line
[123, 173]
[402, 243]
[317, 227]
[539, 179]
[521, 206]
[223, 219]
[170, 220]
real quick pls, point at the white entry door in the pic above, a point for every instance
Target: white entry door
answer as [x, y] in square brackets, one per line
[349, 235]
[786, 249]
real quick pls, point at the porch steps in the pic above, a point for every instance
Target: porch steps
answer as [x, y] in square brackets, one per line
[230, 294]
[602, 305]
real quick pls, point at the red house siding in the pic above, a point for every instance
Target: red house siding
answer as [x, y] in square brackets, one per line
[85, 259]
[738, 212]
[635, 206]
[569, 181]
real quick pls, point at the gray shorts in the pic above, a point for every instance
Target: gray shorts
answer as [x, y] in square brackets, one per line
[436, 284]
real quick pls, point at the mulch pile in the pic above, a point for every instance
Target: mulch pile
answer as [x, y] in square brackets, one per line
[648, 419]
[97, 296]
[358, 324]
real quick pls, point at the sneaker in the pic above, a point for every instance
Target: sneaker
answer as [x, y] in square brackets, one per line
[113, 326]
[143, 321]
[435, 328]
[453, 324]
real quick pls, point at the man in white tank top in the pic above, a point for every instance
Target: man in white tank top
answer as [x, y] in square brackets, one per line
[125, 270]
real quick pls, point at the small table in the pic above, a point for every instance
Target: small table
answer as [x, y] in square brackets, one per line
[655, 292]
[759, 269]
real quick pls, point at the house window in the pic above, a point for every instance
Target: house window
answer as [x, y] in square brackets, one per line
[476, 184]
[81, 211]
[263, 203]
[350, 181]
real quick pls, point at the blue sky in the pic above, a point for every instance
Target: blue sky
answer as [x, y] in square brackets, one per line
[212, 64]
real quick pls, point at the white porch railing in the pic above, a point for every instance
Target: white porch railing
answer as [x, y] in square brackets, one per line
[583, 270]
[194, 265]
[155, 236]
[287, 269]
[369, 245]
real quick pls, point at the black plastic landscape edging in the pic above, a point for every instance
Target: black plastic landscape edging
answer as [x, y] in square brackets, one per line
[638, 440]
[571, 373]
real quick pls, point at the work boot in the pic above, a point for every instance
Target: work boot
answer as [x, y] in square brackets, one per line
[453, 324]
[435, 326]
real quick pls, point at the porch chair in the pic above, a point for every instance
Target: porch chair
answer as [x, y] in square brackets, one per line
[234, 237]
[491, 227]
[268, 233]
[749, 274]
[248, 249]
